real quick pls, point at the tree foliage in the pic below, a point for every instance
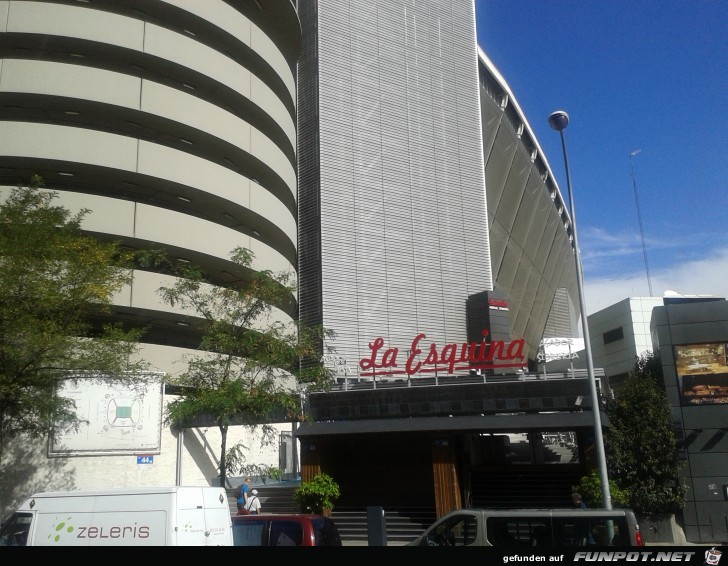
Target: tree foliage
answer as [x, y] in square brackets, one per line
[590, 488]
[53, 280]
[249, 364]
[641, 446]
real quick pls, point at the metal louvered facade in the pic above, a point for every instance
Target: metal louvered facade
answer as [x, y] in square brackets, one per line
[530, 229]
[393, 226]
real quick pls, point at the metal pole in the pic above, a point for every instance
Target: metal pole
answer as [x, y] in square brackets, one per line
[571, 361]
[558, 121]
[180, 443]
[639, 219]
[296, 467]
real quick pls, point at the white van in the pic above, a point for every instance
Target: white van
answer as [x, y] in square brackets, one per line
[145, 516]
[533, 527]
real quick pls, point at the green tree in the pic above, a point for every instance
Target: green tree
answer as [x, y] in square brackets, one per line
[641, 446]
[250, 363]
[54, 280]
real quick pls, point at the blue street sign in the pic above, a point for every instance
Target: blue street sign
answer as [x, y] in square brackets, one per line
[145, 459]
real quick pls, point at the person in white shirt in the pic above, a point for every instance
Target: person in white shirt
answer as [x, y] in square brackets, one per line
[253, 504]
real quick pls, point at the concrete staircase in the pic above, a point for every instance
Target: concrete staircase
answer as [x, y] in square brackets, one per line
[274, 498]
[402, 524]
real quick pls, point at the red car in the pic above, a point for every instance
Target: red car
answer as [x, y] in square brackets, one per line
[284, 530]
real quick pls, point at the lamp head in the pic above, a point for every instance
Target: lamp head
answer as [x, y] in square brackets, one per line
[558, 120]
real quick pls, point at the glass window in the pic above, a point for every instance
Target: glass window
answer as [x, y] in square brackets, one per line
[592, 531]
[248, 533]
[519, 531]
[459, 530]
[325, 533]
[286, 533]
[613, 335]
[15, 531]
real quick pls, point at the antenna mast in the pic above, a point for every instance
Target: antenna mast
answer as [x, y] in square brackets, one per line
[639, 219]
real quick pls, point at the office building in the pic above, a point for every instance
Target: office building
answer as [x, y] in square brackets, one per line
[690, 336]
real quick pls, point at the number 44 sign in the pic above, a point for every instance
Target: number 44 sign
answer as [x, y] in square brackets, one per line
[145, 459]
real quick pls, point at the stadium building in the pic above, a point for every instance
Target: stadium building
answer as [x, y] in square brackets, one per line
[430, 221]
[176, 124]
[375, 150]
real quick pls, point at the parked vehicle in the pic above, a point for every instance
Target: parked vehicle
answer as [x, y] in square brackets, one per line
[533, 527]
[284, 530]
[149, 516]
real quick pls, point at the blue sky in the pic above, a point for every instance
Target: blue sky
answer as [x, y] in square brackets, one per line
[632, 74]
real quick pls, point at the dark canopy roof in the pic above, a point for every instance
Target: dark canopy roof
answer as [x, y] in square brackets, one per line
[487, 423]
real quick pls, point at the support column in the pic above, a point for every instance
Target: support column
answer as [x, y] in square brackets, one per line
[445, 473]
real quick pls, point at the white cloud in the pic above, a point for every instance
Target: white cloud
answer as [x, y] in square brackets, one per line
[706, 276]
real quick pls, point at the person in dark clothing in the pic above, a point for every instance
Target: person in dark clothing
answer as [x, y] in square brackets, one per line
[578, 501]
[588, 538]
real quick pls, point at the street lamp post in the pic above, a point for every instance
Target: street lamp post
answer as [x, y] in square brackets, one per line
[558, 121]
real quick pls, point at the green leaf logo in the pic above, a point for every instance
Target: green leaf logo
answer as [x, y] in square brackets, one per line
[59, 528]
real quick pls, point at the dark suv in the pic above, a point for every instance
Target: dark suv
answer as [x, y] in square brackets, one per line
[284, 530]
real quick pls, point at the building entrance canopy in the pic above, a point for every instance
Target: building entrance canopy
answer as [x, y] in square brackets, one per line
[490, 423]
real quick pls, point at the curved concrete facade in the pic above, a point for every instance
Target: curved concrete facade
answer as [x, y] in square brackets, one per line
[530, 228]
[173, 121]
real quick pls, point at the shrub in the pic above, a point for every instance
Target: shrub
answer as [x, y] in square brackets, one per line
[590, 488]
[318, 495]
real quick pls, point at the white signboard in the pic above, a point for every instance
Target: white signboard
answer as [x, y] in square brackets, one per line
[560, 349]
[120, 419]
[340, 366]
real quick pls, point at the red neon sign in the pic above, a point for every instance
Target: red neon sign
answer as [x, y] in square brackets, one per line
[473, 355]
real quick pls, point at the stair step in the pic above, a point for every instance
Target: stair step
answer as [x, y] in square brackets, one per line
[402, 524]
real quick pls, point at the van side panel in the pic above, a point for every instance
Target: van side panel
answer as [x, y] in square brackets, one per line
[191, 527]
[165, 516]
[106, 528]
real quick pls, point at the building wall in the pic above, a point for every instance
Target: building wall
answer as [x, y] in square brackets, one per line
[26, 468]
[630, 319]
[393, 219]
[701, 428]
